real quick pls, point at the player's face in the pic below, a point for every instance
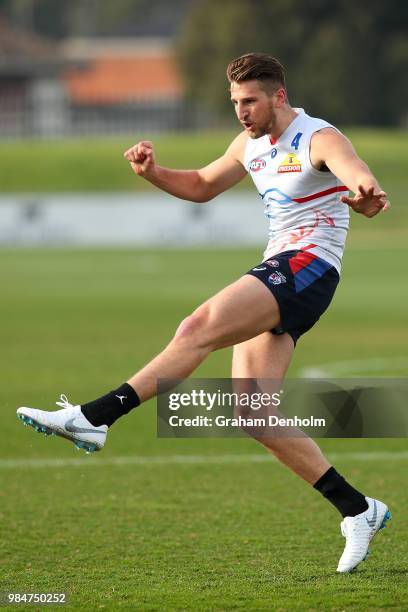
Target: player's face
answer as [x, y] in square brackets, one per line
[255, 109]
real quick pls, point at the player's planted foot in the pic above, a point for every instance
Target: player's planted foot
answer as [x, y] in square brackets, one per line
[68, 423]
[359, 530]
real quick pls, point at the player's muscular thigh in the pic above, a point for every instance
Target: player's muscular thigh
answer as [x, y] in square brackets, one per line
[240, 311]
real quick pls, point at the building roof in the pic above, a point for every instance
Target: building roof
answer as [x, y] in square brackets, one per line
[121, 71]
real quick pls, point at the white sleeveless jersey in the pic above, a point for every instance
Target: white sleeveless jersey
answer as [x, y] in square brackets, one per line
[302, 204]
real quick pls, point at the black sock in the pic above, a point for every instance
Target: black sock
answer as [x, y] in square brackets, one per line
[347, 500]
[107, 409]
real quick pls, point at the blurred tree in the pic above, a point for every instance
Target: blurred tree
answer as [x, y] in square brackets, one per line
[208, 41]
[344, 60]
[45, 17]
[61, 18]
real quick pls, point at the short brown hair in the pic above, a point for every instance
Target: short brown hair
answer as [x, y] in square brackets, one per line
[259, 66]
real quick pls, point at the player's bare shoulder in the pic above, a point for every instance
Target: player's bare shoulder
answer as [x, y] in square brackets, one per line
[323, 142]
[237, 147]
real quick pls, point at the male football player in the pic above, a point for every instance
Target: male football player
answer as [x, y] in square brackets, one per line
[303, 168]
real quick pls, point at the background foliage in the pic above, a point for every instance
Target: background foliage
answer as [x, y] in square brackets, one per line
[344, 60]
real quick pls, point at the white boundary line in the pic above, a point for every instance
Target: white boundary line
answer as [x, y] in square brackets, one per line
[158, 460]
[354, 367]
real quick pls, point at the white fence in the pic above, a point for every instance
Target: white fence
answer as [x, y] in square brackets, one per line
[131, 219]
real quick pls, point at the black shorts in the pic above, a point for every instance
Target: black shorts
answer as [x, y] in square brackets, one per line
[303, 286]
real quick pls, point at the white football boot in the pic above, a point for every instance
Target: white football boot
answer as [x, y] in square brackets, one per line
[68, 423]
[359, 531]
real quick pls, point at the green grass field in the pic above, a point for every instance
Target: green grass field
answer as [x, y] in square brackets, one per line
[151, 532]
[203, 525]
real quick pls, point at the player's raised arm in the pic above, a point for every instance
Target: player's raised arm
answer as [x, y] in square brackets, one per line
[194, 185]
[334, 150]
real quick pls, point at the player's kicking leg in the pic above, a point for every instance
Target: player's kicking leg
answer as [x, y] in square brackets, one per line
[240, 311]
[267, 357]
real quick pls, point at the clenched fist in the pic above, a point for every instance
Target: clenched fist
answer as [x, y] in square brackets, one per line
[141, 157]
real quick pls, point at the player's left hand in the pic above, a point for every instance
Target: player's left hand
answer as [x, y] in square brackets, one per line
[367, 202]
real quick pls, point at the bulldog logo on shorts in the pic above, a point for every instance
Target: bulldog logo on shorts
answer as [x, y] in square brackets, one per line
[276, 278]
[274, 263]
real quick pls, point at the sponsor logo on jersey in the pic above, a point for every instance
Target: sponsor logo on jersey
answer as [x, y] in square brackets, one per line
[257, 164]
[276, 278]
[274, 263]
[290, 164]
[274, 153]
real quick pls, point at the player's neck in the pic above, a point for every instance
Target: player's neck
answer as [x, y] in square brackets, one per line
[283, 120]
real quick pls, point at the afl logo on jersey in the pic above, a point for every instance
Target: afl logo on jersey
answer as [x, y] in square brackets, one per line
[257, 164]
